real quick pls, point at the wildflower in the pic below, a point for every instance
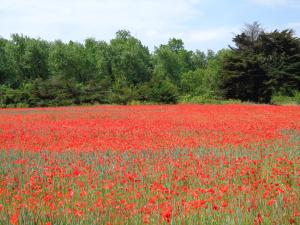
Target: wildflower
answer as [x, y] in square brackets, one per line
[271, 202]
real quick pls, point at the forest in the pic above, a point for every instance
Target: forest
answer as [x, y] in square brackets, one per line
[260, 67]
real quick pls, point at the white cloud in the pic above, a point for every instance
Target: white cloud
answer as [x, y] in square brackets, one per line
[278, 3]
[271, 2]
[211, 34]
[78, 19]
[295, 26]
[200, 38]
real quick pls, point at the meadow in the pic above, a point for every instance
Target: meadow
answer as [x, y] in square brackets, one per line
[154, 164]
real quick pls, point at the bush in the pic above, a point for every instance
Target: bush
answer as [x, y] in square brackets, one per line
[159, 90]
[286, 100]
[206, 99]
[122, 95]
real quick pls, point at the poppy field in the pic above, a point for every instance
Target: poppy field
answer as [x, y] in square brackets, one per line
[175, 164]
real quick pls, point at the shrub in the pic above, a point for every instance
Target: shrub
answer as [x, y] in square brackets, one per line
[286, 100]
[206, 99]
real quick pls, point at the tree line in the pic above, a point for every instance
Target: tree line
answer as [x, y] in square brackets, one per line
[36, 72]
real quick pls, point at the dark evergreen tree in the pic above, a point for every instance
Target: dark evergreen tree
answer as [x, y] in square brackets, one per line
[261, 65]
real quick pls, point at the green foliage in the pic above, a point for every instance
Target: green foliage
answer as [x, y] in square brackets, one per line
[205, 81]
[129, 59]
[171, 60]
[163, 90]
[206, 99]
[198, 60]
[198, 82]
[263, 67]
[159, 90]
[122, 93]
[70, 61]
[286, 100]
[98, 54]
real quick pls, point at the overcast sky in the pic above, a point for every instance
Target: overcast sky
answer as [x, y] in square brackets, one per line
[202, 24]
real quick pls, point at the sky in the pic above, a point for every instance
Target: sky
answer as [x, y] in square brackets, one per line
[201, 24]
